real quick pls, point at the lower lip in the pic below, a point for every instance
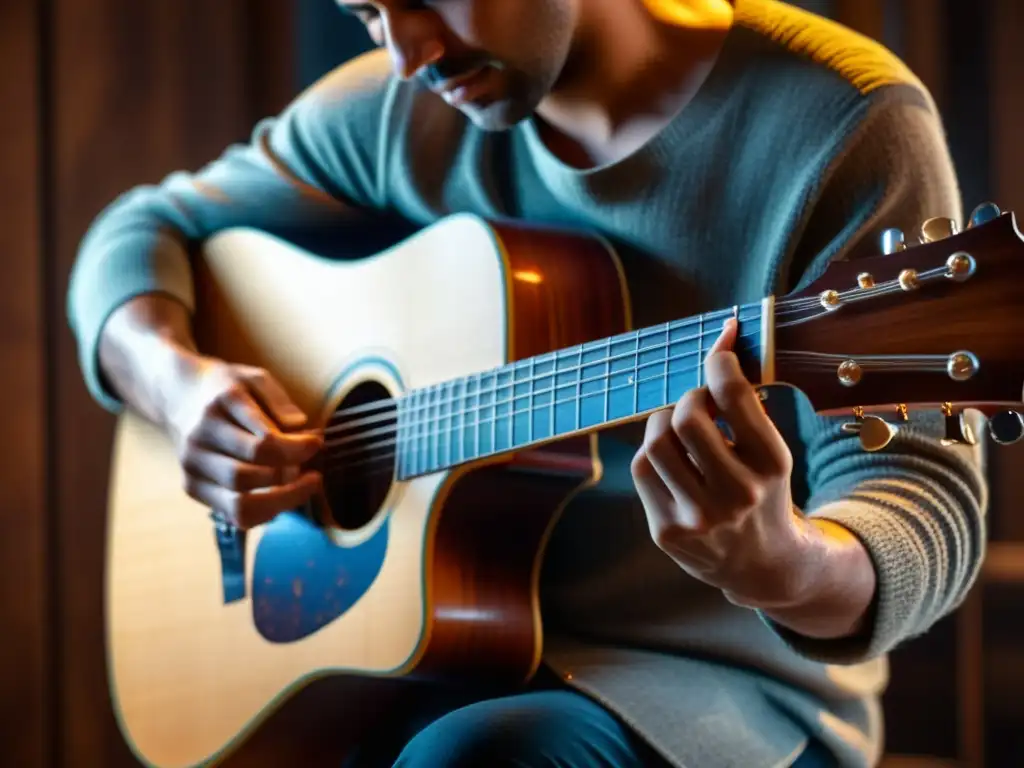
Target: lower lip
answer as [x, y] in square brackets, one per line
[470, 90]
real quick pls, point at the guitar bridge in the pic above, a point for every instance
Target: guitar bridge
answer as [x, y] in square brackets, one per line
[231, 547]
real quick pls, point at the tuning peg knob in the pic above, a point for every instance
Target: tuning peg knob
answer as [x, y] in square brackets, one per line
[892, 241]
[875, 433]
[1006, 427]
[984, 213]
[938, 228]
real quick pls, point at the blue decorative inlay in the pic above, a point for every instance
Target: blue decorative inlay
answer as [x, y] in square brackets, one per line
[303, 580]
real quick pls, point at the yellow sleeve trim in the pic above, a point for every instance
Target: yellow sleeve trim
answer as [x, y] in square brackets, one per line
[863, 62]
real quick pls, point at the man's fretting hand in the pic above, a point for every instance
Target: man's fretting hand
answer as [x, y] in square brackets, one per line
[724, 511]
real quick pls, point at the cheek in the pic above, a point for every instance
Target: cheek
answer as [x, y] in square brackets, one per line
[495, 26]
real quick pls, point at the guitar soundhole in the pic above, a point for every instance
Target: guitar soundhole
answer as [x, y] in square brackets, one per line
[360, 455]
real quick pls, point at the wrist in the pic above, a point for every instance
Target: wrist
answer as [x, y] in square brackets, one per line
[835, 583]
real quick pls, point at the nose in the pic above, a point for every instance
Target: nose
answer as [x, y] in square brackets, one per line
[413, 41]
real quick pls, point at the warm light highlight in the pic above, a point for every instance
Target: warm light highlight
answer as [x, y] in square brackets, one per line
[703, 14]
[528, 276]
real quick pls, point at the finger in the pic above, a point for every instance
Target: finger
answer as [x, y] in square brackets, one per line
[274, 449]
[279, 447]
[736, 401]
[665, 516]
[238, 403]
[726, 340]
[232, 473]
[669, 460]
[701, 438]
[274, 398]
[249, 509]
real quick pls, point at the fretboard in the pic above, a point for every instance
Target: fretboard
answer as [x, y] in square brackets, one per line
[558, 394]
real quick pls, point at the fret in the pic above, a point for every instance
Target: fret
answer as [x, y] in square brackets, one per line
[608, 379]
[493, 399]
[433, 437]
[509, 409]
[400, 452]
[455, 429]
[459, 420]
[579, 390]
[700, 351]
[500, 407]
[476, 436]
[635, 380]
[447, 410]
[425, 437]
[418, 420]
[554, 396]
[428, 428]
[529, 407]
[443, 443]
[410, 433]
[668, 345]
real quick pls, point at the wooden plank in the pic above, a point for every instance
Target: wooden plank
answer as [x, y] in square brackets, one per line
[1006, 70]
[141, 90]
[1004, 562]
[23, 513]
[864, 16]
[970, 672]
[923, 45]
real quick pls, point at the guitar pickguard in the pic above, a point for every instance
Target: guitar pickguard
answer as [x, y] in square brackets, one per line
[303, 580]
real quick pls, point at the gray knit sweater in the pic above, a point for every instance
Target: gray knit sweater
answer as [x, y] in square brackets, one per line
[803, 144]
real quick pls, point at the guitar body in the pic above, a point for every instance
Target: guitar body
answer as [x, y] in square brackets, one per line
[459, 379]
[393, 578]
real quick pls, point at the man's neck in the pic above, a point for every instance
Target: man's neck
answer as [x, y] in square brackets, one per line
[634, 65]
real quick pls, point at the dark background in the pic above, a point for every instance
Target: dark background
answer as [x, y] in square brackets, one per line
[100, 95]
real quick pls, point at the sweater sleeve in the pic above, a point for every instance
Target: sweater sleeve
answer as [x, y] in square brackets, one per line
[919, 506]
[311, 167]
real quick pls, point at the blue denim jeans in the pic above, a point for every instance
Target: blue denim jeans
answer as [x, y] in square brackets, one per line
[537, 729]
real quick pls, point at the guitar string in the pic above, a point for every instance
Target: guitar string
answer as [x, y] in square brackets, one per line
[467, 408]
[518, 365]
[414, 411]
[814, 358]
[433, 442]
[783, 307]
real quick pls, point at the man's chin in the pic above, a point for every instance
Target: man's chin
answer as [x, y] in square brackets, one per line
[497, 116]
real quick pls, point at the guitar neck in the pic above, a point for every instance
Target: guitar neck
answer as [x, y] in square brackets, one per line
[570, 391]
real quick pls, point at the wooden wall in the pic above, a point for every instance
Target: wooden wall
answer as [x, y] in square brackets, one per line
[98, 96]
[25, 649]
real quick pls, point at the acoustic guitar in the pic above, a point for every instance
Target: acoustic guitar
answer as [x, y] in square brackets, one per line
[461, 378]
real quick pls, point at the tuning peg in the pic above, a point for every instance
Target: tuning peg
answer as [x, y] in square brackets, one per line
[958, 430]
[1006, 427]
[938, 228]
[892, 241]
[874, 433]
[984, 213]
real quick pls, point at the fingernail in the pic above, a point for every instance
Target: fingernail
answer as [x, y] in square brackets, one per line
[294, 415]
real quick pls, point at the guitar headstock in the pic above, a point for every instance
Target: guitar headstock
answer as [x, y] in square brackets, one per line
[933, 324]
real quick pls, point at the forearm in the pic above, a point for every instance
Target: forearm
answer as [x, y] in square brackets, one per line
[142, 344]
